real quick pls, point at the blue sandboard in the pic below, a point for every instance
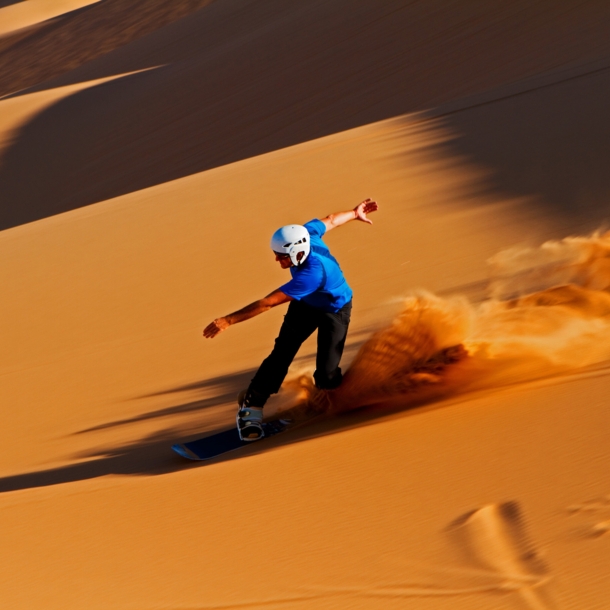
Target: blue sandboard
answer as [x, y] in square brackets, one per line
[212, 446]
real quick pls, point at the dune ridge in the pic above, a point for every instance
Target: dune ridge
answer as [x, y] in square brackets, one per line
[256, 76]
[31, 12]
[136, 210]
[59, 46]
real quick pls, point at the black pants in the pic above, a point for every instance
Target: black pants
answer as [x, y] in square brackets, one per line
[299, 323]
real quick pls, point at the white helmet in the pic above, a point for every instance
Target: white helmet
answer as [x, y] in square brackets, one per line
[291, 240]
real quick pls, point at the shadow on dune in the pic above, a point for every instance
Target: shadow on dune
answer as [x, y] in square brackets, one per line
[434, 353]
[4, 3]
[241, 79]
[223, 390]
[148, 456]
[219, 390]
[548, 143]
[152, 455]
[55, 46]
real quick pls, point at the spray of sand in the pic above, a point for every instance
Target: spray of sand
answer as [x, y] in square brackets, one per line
[548, 313]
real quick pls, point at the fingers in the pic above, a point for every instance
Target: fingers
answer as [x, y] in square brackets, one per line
[215, 327]
[211, 330]
[366, 207]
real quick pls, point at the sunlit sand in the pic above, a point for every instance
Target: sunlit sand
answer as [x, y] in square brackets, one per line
[30, 12]
[462, 464]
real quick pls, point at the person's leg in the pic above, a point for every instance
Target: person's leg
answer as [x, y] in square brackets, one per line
[332, 332]
[299, 323]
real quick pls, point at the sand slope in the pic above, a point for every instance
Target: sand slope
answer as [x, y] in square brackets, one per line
[482, 485]
[242, 78]
[30, 12]
[56, 46]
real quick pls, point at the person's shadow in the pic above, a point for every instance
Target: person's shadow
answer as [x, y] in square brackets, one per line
[152, 454]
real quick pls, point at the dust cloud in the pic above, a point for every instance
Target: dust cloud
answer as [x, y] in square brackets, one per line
[547, 314]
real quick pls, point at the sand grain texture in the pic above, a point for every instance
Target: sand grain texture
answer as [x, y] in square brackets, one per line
[20, 15]
[139, 192]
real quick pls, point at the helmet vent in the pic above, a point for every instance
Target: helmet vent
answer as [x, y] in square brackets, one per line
[291, 240]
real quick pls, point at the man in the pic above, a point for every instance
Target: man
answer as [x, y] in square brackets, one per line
[319, 298]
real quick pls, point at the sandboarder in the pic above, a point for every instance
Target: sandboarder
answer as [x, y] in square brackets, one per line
[319, 297]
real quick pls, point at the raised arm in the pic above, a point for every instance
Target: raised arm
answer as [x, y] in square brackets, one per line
[277, 297]
[358, 213]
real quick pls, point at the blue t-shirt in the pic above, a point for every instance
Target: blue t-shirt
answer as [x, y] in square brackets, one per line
[319, 281]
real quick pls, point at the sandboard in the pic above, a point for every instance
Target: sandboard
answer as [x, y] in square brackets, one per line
[212, 446]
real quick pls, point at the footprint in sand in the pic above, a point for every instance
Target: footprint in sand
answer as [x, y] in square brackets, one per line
[494, 538]
[599, 507]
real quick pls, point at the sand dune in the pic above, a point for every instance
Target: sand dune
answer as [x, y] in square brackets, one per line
[17, 112]
[30, 12]
[473, 474]
[28, 57]
[243, 78]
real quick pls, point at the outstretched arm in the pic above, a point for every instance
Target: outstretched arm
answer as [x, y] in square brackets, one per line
[358, 213]
[277, 297]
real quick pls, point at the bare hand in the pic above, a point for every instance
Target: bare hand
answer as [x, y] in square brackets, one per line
[215, 327]
[364, 208]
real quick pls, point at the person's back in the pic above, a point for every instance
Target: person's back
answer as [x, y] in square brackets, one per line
[320, 272]
[320, 299]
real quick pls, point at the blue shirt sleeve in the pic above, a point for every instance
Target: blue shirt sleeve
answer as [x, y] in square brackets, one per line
[315, 227]
[304, 281]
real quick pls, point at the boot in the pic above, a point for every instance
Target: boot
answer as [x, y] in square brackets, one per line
[250, 415]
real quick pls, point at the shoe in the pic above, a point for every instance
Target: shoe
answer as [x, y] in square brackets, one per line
[249, 418]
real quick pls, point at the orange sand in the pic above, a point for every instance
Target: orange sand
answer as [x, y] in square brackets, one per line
[480, 485]
[30, 12]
